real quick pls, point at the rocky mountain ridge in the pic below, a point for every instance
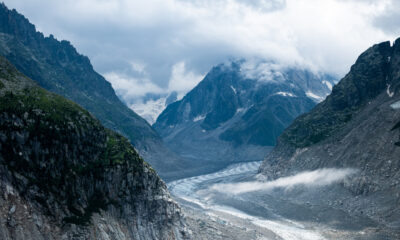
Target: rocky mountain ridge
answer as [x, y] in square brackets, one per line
[65, 176]
[237, 112]
[58, 67]
[355, 127]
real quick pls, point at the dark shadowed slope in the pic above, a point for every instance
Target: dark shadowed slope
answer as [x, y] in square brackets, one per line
[65, 176]
[59, 68]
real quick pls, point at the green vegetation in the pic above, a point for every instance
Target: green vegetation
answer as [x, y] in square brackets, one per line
[53, 108]
[59, 68]
[59, 149]
[118, 151]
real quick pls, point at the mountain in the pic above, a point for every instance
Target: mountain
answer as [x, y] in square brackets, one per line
[357, 126]
[59, 68]
[65, 176]
[237, 111]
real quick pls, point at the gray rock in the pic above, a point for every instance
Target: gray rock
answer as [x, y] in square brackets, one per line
[82, 183]
[359, 127]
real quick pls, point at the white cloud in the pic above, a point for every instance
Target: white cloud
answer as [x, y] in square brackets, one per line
[133, 88]
[388, 21]
[147, 40]
[261, 70]
[146, 98]
[182, 80]
[138, 67]
[129, 88]
[309, 31]
[316, 178]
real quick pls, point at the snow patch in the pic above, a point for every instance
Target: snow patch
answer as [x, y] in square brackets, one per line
[328, 84]
[285, 94]
[150, 109]
[240, 110]
[395, 105]
[199, 118]
[233, 89]
[314, 96]
[390, 94]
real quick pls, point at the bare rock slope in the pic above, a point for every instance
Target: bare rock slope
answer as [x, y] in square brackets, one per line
[357, 126]
[64, 176]
[236, 113]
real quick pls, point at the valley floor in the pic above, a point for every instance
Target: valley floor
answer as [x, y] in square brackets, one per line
[297, 213]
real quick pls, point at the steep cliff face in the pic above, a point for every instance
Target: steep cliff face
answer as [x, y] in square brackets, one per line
[237, 112]
[59, 68]
[357, 126]
[65, 176]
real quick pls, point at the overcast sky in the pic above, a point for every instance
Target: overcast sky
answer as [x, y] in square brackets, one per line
[156, 46]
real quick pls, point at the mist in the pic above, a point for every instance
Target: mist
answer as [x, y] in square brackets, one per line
[316, 178]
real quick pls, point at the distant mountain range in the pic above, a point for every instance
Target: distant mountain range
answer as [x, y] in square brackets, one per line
[237, 112]
[357, 126]
[59, 68]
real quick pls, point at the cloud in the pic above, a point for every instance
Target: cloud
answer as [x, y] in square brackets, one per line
[389, 19]
[133, 89]
[182, 81]
[261, 70]
[138, 67]
[130, 89]
[316, 178]
[143, 96]
[161, 45]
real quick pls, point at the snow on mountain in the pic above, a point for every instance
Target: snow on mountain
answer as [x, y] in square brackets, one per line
[150, 109]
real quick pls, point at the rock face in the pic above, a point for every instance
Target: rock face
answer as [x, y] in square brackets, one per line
[237, 112]
[65, 176]
[357, 126]
[59, 68]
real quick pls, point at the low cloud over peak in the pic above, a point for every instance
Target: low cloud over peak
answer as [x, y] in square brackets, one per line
[162, 45]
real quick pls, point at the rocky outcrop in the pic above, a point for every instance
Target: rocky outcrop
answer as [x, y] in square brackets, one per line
[58, 67]
[355, 127]
[65, 176]
[236, 112]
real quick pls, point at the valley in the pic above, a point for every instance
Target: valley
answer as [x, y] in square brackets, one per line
[297, 213]
[251, 141]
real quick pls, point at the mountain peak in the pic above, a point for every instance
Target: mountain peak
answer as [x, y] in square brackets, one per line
[238, 110]
[368, 77]
[58, 67]
[355, 127]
